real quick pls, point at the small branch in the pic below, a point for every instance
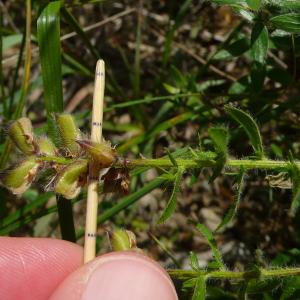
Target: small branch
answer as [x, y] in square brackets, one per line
[252, 274]
[188, 163]
[92, 192]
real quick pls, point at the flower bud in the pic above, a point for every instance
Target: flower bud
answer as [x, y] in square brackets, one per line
[102, 153]
[18, 179]
[123, 240]
[21, 133]
[46, 146]
[70, 179]
[69, 133]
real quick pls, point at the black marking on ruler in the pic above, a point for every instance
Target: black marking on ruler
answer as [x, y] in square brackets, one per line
[97, 124]
[100, 74]
[92, 234]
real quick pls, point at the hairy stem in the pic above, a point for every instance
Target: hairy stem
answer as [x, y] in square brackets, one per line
[252, 274]
[206, 160]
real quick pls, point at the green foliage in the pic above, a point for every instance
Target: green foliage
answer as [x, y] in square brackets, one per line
[295, 176]
[48, 34]
[172, 203]
[161, 94]
[287, 22]
[213, 245]
[219, 136]
[250, 127]
[200, 289]
[232, 210]
[259, 42]
[254, 4]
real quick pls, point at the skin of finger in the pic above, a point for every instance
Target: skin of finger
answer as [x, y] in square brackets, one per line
[32, 268]
[125, 275]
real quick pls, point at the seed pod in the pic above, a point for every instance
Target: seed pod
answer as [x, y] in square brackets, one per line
[70, 179]
[69, 133]
[21, 134]
[46, 146]
[102, 153]
[18, 179]
[123, 240]
[116, 181]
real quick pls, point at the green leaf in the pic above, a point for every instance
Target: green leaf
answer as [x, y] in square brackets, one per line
[259, 42]
[172, 159]
[235, 49]
[48, 34]
[213, 245]
[194, 262]
[231, 212]
[219, 136]
[250, 127]
[291, 4]
[254, 4]
[258, 74]
[289, 287]
[288, 22]
[171, 89]
[200, 289]
[172, 203]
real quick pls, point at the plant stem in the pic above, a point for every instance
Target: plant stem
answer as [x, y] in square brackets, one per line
[252, 274]
[207, 160]
[92, 192]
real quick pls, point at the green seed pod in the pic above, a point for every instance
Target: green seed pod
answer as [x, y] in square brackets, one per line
[18, 179]
[21, 134]
[69, 133]
[102, 153]
[70, 179]
[46, 146]
[123, 240]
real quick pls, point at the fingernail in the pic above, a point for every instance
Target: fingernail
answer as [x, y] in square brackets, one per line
[128, 276]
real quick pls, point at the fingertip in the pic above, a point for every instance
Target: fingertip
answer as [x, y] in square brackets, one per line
[31, 268]
[122, 275]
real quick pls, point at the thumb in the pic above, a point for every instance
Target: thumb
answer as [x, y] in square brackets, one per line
[122, 275]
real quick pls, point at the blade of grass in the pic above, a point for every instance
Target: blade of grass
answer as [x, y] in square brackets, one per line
[81, 33]
[48, 33]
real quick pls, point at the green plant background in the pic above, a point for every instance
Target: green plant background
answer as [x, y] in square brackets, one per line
[208, 93]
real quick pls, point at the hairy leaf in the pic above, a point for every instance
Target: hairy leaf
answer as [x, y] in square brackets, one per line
[231, 212]
[213, 245]
[200, 289]
[194, 262]
[259, 42]
[250, 127]
[171, 205]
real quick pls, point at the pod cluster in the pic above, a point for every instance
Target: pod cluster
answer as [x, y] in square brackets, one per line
[39, 153]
